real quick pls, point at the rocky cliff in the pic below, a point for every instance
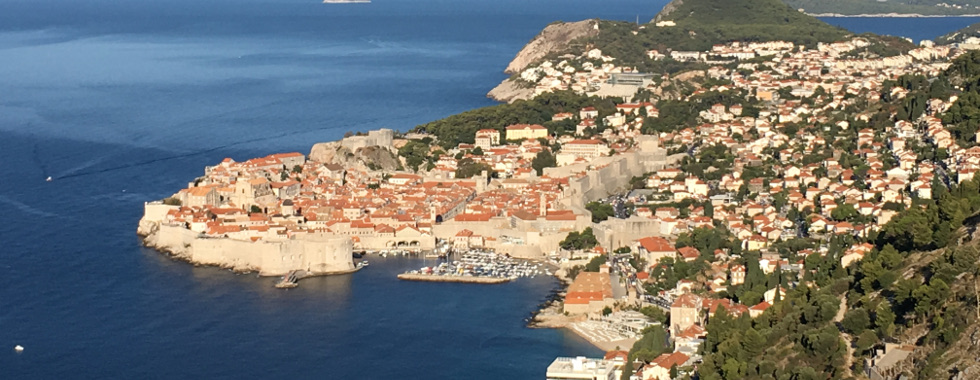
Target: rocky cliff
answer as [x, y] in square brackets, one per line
[667, 12]
[365, 158]
[510, 91]
[554, 38]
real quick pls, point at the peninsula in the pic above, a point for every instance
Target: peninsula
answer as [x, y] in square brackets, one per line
[870, 8]
[734, 189]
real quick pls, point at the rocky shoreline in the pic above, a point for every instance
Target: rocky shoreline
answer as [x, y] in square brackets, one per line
[315, 255]
[549, 314]
[510, 91]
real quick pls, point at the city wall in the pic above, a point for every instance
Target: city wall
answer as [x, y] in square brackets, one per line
[613, 174]
[383, 137]
[614, 233]
[316, 254]
[530, 240]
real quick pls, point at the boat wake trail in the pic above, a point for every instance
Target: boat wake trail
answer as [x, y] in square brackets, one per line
[83, 166]
[35, 152]
[27, 209]
[77, 174]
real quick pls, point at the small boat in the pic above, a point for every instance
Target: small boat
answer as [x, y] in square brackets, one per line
[19, 348]
[48, 179]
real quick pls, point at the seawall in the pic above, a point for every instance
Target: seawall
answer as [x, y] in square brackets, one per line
[315, 254]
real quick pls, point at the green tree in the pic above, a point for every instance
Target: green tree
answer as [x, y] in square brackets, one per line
[579, 240]
[856, 321]
[544, 159]
[929, 297]
[655, 313]
[600, 211]
[415, 152]
[866, 340]
[753, 343]
[884, 319]
[595, 263]
[467, 168]
[652, 343]
[255, 209]
[843, 212]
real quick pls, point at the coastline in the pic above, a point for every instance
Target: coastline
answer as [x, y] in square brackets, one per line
[312, 255]
[887, 15]
[551, 317]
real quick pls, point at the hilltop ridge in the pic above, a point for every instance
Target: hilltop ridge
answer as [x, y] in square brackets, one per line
[961, 35]
[681, 25]
[711, 21]
[898, 9]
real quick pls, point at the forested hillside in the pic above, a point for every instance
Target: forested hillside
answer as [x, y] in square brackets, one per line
[859, 7]
[701, 24]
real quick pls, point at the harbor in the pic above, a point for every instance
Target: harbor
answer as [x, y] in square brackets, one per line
[452, 278]
[477, 266]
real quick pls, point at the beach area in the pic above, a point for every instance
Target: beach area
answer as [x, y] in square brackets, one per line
[599, 334]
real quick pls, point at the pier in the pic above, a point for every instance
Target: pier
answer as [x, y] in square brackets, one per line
[290, 280]
[451, 278]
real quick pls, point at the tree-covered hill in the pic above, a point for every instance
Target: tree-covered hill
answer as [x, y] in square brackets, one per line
[859, 7]
[700, 24]
[960, 35]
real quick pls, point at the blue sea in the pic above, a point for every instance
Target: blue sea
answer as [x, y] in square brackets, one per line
[122, 102]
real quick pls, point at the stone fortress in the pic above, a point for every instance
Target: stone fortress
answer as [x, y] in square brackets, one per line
[315, 254]
[521, 234]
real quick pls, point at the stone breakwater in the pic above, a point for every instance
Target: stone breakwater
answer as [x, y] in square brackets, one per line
[315, 254]
[462, 279]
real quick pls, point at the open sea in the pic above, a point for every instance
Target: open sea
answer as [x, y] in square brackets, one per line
[123, 102]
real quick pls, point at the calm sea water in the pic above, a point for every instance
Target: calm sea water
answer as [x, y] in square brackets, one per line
[918, 29]
[124, 102]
